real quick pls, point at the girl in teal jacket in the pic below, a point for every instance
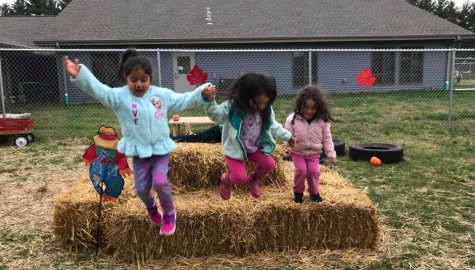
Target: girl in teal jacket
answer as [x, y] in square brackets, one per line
[248, 132]
[142, 109]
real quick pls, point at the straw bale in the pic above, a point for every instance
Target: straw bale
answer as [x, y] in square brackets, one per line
[75, 214]
[203, 228]
[207, 225]
[199, 165]
[290, 227]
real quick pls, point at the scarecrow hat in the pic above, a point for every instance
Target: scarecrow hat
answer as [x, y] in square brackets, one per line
[106, 137]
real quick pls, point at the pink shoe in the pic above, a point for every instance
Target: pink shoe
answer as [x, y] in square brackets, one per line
[168, 227]
[154, 215]
[224, 186]
[254, 188]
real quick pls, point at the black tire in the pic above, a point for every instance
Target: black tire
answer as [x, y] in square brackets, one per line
[387, 153]
[339, 147]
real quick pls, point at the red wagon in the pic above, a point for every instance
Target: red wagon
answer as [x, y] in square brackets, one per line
[19, 126]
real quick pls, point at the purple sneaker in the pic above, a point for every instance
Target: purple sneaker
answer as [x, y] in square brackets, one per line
[224, 186]
[154, 215]
[254, 188]
[169, 225]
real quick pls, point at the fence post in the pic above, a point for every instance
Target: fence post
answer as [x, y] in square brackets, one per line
[309, 67]
[2, 96]
[159, 69]
[451, 87]
[65, 82]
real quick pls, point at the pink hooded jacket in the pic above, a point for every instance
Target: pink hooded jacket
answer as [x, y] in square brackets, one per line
[311, 138]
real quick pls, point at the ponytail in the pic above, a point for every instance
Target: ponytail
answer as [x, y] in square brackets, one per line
[130, 52]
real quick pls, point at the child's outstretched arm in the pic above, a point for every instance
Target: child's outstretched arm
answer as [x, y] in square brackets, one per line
[209, 92]
[72, 68]
[217, 113]
[84, 79]
[280, 132]
[183, 101]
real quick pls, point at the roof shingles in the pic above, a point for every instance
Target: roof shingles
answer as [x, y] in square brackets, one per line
[159, 21]
[20, 31]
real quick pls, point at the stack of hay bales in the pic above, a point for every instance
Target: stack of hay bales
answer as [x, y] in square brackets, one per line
[199, 165]
[207, 225]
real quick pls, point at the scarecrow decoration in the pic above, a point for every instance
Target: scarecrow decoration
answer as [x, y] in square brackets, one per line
[107, 165]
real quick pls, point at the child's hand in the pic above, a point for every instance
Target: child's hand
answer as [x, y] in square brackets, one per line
[72, 68]
[293, 141]
[209, 92]
[332, 160]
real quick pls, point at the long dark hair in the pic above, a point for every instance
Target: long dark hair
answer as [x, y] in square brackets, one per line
[130, 61]
[247, 87]
[317, 95]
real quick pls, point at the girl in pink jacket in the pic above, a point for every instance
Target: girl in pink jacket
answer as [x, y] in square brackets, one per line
[310, 124]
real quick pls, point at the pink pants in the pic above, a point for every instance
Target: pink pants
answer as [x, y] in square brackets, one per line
[237, 168]
[306, 167]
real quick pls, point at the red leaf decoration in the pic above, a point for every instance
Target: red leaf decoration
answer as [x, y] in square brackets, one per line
[197, 76]
[366, 78]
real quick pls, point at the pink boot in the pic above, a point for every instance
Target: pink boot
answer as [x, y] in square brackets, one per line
[254, 188]
[169, 225]
[224, 186]
[154, 215]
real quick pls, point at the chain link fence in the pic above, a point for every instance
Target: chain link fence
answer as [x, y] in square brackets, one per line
[394, 89]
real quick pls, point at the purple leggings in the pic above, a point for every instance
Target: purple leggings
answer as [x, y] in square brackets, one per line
[152, 173]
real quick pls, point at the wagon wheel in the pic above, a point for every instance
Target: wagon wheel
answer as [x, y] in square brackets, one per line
[21, 141]
[30, 137]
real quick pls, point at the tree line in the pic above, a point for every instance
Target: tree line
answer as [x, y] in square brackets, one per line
[33, 7]
[446, 9]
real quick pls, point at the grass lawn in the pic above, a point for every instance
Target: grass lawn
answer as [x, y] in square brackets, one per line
[426, 202]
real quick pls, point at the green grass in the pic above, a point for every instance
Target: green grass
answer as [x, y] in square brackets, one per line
[427, 201]
[389, 112]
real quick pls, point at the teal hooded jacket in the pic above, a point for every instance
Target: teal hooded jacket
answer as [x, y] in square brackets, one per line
[231, 143]
[143, 120]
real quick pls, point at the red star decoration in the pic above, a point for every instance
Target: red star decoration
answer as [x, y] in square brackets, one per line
[366, 78]
[197, 76]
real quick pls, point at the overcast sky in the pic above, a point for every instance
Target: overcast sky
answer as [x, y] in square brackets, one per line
[457, 2]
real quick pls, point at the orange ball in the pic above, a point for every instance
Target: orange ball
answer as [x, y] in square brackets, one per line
[375, 161]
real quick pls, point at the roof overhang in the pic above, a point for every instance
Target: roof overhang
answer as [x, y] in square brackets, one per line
[453, 37]
[13, 44]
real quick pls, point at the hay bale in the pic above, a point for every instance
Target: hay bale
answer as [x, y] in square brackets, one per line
[203, 229]
[207, 225]
[292, 228]
[75, 214]
[199, 165]
[347, 219]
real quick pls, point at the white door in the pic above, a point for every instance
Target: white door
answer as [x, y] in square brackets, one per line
[182, 65]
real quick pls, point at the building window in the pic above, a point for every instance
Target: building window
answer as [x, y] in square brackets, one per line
[104, 66]
[412, 66]
[383, 66]
[300, 69]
